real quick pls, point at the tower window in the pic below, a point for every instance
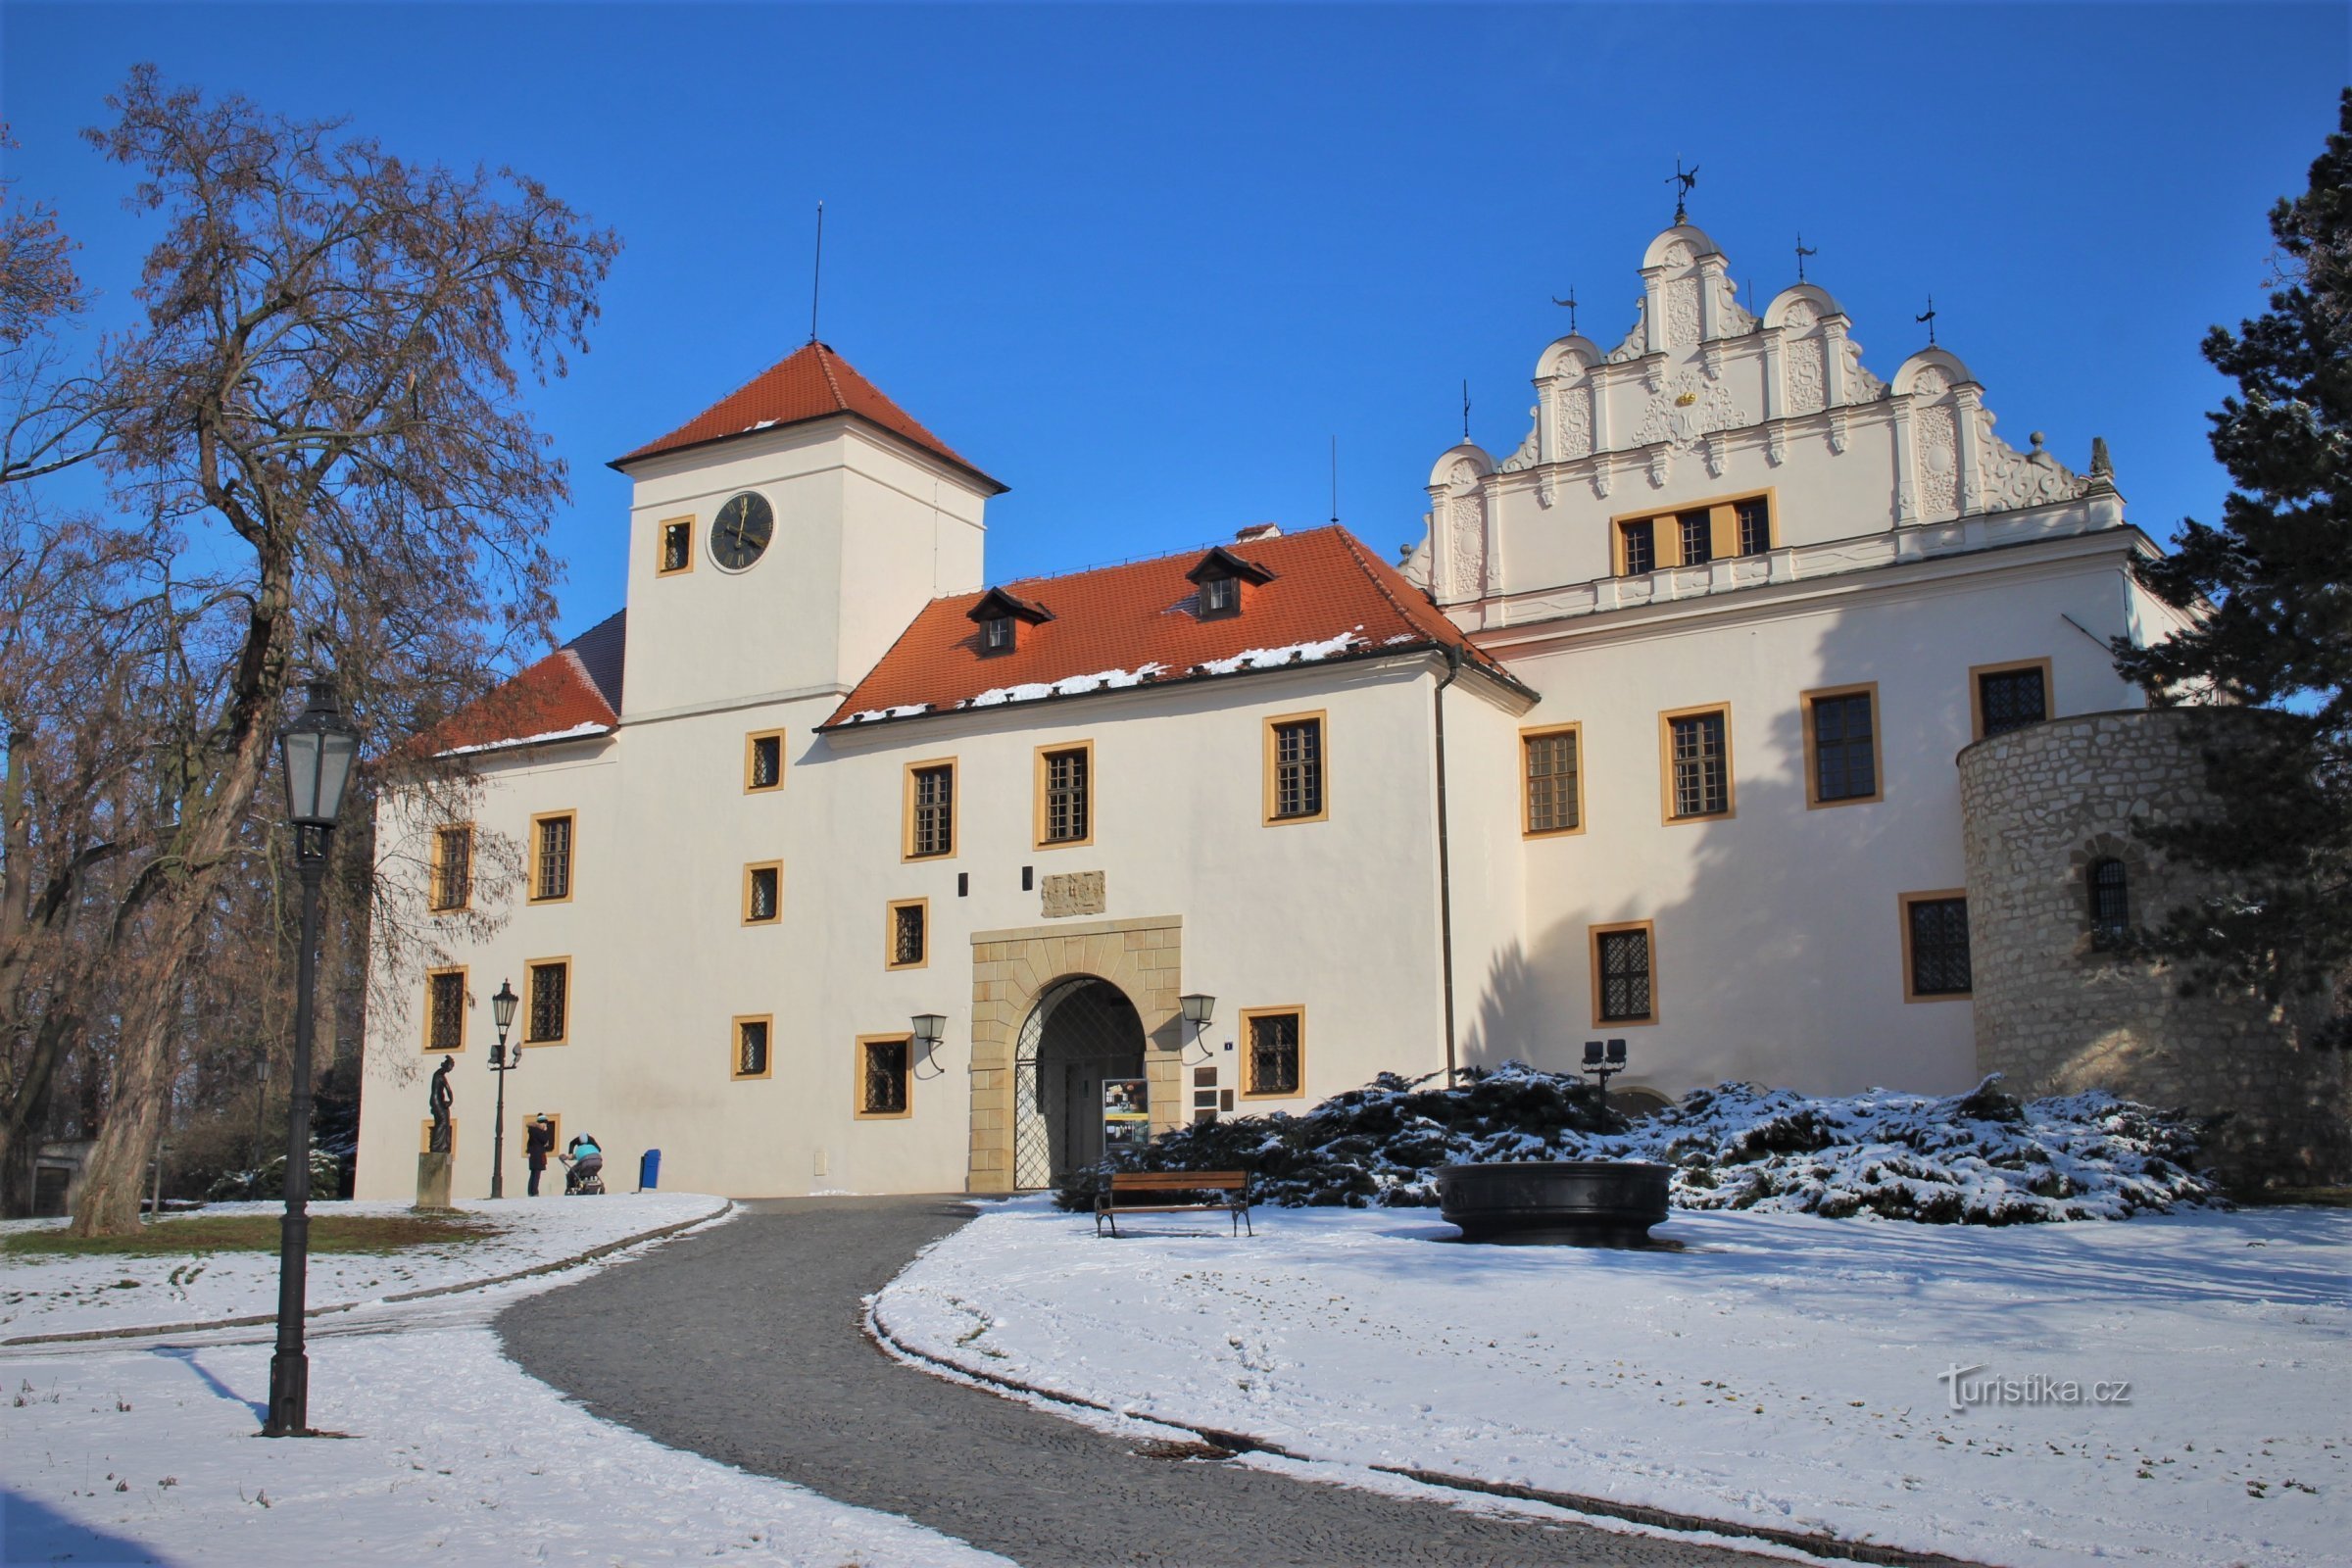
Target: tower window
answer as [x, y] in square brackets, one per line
[752, 1040]
[2011, 697]
[2110, 900]
[1697, 540]
[762, 894]
[676, 552]
[764, 761]
[909, 934]
[1637, 547]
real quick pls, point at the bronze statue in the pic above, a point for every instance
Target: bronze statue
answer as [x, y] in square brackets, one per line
[441, 1096]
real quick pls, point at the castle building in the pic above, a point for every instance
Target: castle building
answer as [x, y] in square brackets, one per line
[829, 865]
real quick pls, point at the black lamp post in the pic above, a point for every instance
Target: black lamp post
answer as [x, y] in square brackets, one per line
[502, 1009]
[1604, 1061]
[320, 747]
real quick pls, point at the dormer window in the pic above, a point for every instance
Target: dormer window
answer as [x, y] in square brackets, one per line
[1223, 581]
[1000, 616]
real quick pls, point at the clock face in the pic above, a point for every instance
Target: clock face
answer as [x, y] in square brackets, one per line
[741, 531]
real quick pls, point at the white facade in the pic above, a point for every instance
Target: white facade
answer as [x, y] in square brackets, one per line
[1909, 547]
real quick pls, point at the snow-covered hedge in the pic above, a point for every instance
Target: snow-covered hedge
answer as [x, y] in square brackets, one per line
[1980, 1158]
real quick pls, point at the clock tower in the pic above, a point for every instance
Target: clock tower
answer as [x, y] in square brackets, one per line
[781, 539]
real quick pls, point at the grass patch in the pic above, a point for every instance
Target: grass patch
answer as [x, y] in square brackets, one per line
[255, 1232]
[2285, 1197]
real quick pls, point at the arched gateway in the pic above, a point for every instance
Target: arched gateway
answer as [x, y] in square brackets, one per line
[1081, 1031]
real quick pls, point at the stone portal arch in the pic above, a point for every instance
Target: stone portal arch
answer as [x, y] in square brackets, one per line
[1081, 1031]
[1014, 971]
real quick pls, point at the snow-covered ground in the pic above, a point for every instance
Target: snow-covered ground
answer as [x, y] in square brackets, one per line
[145, 1450]
[1781, 1370]
[66, 1295]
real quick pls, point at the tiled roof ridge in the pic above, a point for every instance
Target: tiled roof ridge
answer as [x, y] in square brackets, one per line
[1190, 552]
[824, 362]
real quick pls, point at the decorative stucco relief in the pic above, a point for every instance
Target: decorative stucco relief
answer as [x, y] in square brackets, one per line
[2014, 479]
[1547, 491]
[1686, 409]
[1935, 441]
[1860, 385]
[1636, 340]
[1524, 457]
[1576, 423]
[1803, 359]
[1469, 524]
[1682, 313]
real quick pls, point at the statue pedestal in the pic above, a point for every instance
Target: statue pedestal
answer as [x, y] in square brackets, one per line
[432, 1181]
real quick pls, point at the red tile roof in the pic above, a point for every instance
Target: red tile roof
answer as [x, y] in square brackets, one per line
[812, 383]
[573, 693]
[1328, 597]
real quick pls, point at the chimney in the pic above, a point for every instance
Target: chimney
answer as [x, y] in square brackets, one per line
[1257, 531]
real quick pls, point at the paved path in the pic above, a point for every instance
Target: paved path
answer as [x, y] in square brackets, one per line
[744, 1344]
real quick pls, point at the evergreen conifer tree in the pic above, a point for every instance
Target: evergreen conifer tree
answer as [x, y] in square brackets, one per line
[2273, 588]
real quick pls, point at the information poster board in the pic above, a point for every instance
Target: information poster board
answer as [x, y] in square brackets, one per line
[1126, 1114]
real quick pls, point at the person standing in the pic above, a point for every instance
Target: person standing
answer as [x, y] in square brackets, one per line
[538, 1143]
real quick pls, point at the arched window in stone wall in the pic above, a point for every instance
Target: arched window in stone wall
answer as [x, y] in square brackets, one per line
[2108, 886]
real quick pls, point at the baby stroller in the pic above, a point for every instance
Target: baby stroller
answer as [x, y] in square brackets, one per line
[583, 1168]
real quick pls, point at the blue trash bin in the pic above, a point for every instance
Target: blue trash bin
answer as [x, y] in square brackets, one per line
[649, 1170]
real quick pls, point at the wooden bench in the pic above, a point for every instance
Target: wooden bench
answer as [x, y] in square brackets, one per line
[1130, 1192]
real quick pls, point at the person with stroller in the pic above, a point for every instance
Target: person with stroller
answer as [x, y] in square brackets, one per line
[585, 1167]
[538, 1141]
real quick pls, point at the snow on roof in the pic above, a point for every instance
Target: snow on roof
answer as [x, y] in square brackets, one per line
[1136, 625]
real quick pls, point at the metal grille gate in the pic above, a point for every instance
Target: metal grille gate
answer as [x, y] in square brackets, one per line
[1081, 1032]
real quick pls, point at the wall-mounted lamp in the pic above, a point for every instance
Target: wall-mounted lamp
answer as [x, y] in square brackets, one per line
[1197, 1011]
[929, 1028]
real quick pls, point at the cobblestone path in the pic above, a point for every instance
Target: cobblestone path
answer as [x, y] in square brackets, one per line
[744, 1344]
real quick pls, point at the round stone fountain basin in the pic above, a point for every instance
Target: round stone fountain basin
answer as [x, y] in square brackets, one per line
[1572, 1203]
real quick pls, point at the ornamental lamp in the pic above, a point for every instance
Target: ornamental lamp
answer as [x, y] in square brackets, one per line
[930, 1028]
[320, 747]
[501, 1007]
[1198, 1008]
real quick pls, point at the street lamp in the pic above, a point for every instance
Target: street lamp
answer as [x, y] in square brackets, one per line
[502, 1009]
[1198, 1010]
[1605, 1063]
[320, 747]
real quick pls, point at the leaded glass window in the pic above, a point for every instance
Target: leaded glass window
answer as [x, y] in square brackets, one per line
[1552, 782]
[2011, 699]
[1701, 765]
[551, 867]
[453, 867]
[933, 830]
[1845, 759]
[1298, 768]
[550, 1001]
[907, 934]
[1274, 1054]
[766, 765]
[1625, 975]
[1697, 539]
[883, 1082]
[1066, 797]
[1940, 947]
[445, 1003]
[750, 1048]
[1641, 539]
[762, 894]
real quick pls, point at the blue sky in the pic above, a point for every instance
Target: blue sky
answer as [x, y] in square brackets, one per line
[1144, 263]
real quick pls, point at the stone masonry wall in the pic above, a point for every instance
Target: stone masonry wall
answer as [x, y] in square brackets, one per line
[2056, 1016]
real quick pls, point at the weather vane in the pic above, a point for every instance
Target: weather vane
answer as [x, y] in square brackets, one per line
[1681, 183]
[1930, 319]
[1465, 411]
[1570, 302]
[1803, 249]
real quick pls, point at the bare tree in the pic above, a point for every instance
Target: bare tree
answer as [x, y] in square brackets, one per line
[320, 422]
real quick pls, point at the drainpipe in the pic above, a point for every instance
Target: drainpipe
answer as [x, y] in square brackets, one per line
[1454, 670]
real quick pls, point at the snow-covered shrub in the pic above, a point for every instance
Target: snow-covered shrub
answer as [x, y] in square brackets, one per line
[1980, 1158]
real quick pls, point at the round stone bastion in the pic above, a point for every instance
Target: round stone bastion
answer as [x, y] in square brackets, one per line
[2057, 1013]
